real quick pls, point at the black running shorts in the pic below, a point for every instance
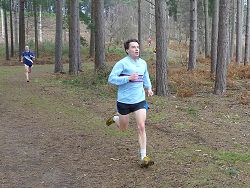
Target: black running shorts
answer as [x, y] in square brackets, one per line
[125, 109]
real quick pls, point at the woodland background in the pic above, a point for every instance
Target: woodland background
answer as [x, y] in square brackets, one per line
[53, 129]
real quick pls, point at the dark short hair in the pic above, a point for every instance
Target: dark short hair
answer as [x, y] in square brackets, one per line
[126, 44]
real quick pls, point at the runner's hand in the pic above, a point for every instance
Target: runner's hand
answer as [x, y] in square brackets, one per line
[133, 76]
[150, 93]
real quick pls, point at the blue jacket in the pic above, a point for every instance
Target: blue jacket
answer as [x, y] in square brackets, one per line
[130, 92]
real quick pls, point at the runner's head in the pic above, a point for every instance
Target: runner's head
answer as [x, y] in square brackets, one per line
[27, 48]
[132, 48]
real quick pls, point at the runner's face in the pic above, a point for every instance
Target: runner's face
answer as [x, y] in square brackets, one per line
[133, 50]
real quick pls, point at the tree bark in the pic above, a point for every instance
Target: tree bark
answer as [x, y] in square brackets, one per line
[7, 55]
[92, 30]
[161, 48]
[58, 38]
[150, 18]
[232, 31]
[206, 28]
[36, 31]
[40, 24]
[73, 37]
[11, 31]
[247, 38]
[21, 28]
[223, 42]
[99, 35]
[15, 10]
[139, 26]
[193, 35]
[239, 32]
[214, 37]
[79, 68]
[2, 22]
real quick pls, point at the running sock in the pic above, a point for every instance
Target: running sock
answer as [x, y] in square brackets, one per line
[143, 153]
[116, 118]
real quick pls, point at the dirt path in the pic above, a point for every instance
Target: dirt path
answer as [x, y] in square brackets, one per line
[50, 137]
[43, 147]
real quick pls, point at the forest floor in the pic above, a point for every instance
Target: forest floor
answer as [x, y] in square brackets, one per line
[53, 134]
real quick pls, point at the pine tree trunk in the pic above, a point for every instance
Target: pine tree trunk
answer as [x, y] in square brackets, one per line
[239, 32]
[139, 26]
[193, 35]
[21, 28]
[247, 38]
[232, 31]
[161, 48]
[15, 8]
[11, 31]
[92, 30]
[206, 28]
[99, 35]
[214, 37]
[40, 24]
[223, 42]
[2, 21]
[58, 37]
[7, 55]
[200, 27]
[79, 69]
[150, 18]
[73, 37]
[36, 31]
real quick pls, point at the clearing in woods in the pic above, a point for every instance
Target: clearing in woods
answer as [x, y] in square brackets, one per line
[53, 134]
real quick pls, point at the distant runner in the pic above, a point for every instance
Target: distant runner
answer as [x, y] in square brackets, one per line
[27, 60]
[149, 41]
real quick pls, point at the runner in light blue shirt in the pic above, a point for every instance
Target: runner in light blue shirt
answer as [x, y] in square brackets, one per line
[131, 76]
[130, 91]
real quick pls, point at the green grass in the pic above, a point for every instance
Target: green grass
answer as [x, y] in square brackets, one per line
[65, 109]
[116, 50]
[182, 125]
[5, 71]
[48, 48]
[112, 130]
[159, 117]
[192, 112]
[233, 157]
[62, 108]
[2, 50]
[87, 83]
[209, 167]
[74, 81]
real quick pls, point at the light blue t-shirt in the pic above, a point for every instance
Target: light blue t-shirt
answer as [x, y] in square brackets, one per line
[130, 92]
